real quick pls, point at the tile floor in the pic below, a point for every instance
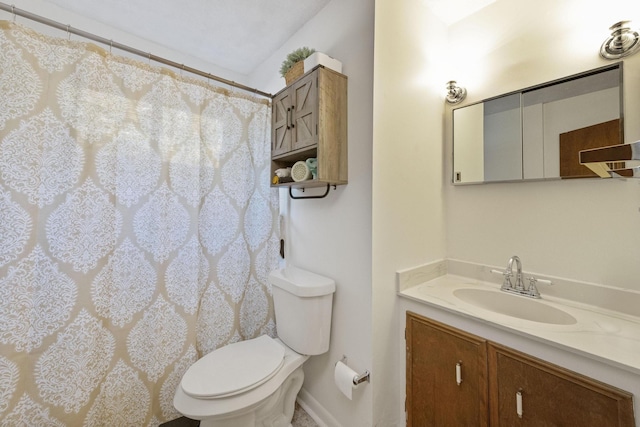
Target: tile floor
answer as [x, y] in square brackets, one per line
[300, 419]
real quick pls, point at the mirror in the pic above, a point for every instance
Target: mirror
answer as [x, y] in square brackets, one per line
[613, 161]
[537, 133]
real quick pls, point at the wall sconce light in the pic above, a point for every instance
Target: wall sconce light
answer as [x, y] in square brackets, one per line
[455, 93]
[622, 42]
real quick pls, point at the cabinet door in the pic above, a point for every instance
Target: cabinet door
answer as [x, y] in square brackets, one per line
[305, 111]
[281, 123]
[550, 395]
[446, 376]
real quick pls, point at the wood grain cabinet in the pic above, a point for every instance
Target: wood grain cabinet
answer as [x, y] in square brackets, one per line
[458, 379]
[309, 119]
[446, 376]
[526, 391]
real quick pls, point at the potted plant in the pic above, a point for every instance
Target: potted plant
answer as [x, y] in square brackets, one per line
[293, 66]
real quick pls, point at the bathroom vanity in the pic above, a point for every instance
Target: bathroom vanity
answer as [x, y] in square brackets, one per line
[455, 379]
[520, 361]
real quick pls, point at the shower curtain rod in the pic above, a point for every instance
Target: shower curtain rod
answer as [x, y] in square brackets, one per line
[69, 29]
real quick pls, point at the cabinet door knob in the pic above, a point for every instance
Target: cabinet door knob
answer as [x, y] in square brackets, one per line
[519, 403]
[459, 373]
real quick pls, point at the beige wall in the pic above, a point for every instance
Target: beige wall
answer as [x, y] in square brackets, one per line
[407, 176]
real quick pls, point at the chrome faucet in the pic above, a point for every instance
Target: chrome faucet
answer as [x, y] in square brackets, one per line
[519, 287]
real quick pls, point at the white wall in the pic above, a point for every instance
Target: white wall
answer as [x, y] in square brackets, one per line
[332, 236]
[407, 177]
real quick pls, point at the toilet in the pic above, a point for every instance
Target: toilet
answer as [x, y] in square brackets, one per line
[255, 382]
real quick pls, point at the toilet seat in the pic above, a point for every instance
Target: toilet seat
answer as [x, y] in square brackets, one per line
[234, 369]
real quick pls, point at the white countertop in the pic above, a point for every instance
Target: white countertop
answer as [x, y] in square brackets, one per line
[611, 337]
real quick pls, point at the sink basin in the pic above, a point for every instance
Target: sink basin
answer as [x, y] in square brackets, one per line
[514, 306]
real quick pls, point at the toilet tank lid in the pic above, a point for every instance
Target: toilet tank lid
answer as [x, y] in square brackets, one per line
[301, 282]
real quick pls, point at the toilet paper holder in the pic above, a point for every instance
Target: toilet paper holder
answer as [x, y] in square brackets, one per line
[359, 378]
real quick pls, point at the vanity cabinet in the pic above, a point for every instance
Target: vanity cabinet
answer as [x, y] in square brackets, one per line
[498, 386]
[526, 391]
[446, 376]
[309, 119]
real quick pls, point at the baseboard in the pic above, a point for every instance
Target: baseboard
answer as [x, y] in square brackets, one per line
[316, 411]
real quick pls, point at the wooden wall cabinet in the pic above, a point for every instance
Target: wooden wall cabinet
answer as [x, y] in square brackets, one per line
[504, 387]
[309, 119]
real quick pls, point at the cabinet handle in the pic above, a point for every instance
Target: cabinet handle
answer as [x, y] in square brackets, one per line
[519, 403]
[288, 111]
[459, 373]
[293, 107]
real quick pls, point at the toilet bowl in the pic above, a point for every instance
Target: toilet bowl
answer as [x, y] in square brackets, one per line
[255, 382]
[252, 402]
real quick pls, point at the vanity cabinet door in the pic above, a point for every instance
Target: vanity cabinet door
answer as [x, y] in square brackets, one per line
[550, 395]
[446, 375]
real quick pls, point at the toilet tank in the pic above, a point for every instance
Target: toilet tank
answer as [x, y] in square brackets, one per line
[303, 303]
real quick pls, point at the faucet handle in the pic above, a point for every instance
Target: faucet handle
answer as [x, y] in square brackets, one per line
[533, 289]
[534, 280]
[507, 278]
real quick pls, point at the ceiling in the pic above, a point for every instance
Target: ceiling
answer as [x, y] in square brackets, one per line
[234, 34]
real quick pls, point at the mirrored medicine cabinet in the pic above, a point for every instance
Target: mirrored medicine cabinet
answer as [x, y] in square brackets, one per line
[537, 133]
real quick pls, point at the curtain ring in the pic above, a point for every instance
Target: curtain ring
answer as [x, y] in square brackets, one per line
[110, 46]
[13, 10]
[149, 58]
[69, 31]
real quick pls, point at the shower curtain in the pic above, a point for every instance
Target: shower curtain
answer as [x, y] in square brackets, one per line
[137, 229]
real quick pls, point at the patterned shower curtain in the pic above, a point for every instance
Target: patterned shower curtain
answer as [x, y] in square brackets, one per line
[137, 229]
